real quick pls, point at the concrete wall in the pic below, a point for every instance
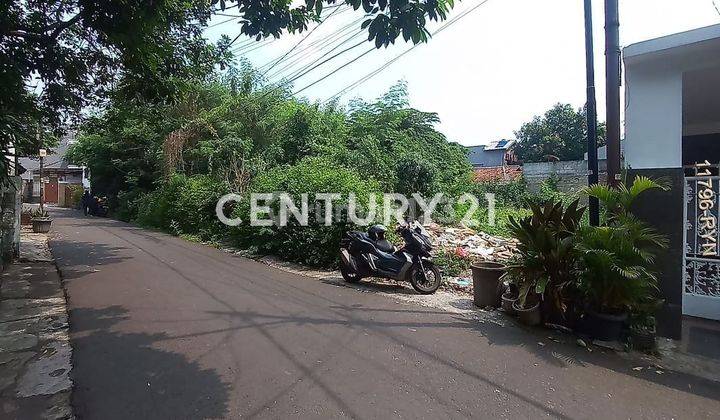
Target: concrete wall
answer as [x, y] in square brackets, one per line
[653, 119]
[571, 175]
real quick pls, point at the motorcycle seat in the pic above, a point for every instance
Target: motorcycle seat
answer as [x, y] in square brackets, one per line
[384, 245]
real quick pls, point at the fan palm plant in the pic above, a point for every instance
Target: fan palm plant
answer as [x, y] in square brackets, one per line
[615, 261]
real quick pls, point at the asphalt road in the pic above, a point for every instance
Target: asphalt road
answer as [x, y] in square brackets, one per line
[164, 328]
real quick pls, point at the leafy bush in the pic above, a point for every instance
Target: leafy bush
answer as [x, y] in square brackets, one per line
[182, 205]
[314, 244]
[545, 261]
[615, 260]
[76, 193]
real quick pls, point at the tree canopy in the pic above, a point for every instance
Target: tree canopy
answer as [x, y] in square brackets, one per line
[57, 57]
[561, 132]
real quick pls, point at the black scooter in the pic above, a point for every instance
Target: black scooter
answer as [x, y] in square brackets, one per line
[371, 255]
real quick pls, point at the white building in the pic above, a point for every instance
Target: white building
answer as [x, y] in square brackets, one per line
[672, 125]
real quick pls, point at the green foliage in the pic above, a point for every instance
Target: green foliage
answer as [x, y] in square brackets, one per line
[545, 261]
[453, 263]
[247, 138]
[615, 260]
[76, 193]
[80, 51]
[182, 205]
[40, 213]
[316, 243]
[386, 19]
[561, 132]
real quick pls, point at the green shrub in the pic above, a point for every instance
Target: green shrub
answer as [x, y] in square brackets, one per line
[181, 205]
[314, 244]
[76, 193]
[616, 260]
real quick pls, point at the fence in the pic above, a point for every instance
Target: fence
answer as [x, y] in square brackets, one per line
[571, 176]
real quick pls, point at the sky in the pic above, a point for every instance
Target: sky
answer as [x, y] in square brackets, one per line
[493, 69]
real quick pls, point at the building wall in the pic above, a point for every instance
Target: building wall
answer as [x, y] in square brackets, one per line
[571, 175]
[654, 147]
[653, 117]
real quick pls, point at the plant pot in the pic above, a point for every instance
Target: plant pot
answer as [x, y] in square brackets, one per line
[528, 316]
[507, 302]
[604, 327]
[642, 340]
[41, 225]
[486, 283]
[25, 219]
[554, 317]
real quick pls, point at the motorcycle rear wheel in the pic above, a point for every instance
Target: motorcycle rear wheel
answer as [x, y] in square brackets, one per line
[428, 284]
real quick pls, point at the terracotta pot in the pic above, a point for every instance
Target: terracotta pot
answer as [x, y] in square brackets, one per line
[486, 283]
[25, 219]
[530, 316]
[41, 225]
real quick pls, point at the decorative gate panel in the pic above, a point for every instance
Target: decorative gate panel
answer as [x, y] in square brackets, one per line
[701, 263]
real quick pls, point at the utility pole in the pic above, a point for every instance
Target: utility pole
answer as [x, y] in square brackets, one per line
[41, 153]
[591, 114]
[612, 88]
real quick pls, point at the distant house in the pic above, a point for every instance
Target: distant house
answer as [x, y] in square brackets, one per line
[494, 161]
[57, 174]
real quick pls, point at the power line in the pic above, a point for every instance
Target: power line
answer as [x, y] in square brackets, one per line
[717, 9]
[221, 23]
[335, 71]
[397, 57]
[343, 42]
[328, 59]
[255, 47]
[318, 44]
[299, 42]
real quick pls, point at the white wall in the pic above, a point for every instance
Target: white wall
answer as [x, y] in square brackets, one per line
[653, 116]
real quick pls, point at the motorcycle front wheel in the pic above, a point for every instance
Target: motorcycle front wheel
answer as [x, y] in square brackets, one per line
[426, 284]
[348, 274]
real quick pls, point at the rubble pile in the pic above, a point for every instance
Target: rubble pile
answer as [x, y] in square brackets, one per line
[478, 245]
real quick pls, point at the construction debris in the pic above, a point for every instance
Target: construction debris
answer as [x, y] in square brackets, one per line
[477, 245]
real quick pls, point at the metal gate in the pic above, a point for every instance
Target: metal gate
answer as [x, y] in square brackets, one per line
[701, 262]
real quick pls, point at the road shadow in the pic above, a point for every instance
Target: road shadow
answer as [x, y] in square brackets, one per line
[372, 285]
[562, 350]
[121, 375]
[79, 258]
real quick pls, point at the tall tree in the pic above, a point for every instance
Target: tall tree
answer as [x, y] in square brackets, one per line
[55, 55]
[561, 132]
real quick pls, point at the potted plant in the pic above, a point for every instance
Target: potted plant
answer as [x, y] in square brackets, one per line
[527, 306]
[41, 220]
[509, 297]
[26, 216]
[543, 267]
[642, 325]
[615, 260]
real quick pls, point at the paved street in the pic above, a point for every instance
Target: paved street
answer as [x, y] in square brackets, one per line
[164, 328]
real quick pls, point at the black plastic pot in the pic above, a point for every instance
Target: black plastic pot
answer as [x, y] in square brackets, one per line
[604, 327]
[486, 283]
[528, 316]
[507, 302]
[642, 340]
